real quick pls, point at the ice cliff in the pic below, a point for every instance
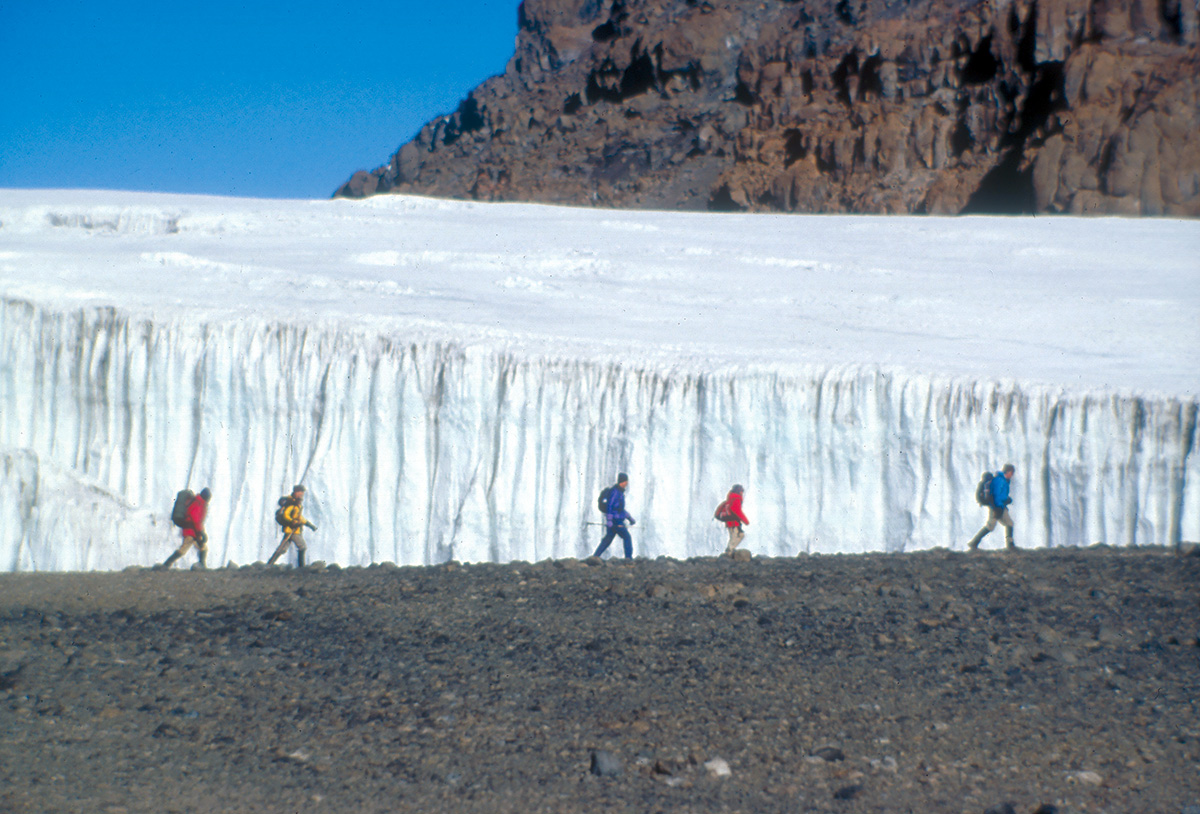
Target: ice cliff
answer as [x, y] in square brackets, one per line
[458, 380]
[420, 452]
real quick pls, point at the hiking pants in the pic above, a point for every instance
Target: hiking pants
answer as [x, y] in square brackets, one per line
[613, 531]
[736, 535]
[1000, 516]
[296, 537]
[199, 540]
[995, 516]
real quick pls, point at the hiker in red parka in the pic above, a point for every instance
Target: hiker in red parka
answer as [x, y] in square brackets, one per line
[194, 533]
[734, 517]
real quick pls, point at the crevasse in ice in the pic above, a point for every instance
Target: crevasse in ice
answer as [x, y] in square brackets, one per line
[423, 451]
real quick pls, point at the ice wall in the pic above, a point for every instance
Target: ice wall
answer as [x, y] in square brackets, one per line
[51, 520]
[419, 452]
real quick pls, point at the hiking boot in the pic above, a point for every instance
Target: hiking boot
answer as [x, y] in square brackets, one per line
[973, 545]
[171, 560]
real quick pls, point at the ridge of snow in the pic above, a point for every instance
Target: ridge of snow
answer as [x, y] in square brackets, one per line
[457, 380]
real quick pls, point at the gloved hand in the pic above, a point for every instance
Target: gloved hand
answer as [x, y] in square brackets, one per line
[632, 522]
[1007, 500]
[311, 526]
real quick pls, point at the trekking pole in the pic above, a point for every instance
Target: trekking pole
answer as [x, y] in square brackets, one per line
[590, 523]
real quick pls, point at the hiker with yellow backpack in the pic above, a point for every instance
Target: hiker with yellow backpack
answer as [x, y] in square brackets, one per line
[290, 518]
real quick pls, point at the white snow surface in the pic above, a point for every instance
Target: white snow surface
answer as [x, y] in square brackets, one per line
[457, 380]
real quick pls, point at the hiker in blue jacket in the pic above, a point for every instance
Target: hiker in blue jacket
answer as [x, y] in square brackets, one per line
[998, 510]
[615, 517]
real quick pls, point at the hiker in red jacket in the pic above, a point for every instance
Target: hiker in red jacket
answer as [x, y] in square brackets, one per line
[734, 517]
[194, 533]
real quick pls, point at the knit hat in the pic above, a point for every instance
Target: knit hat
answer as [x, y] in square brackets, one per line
[205, 493]
[622, 477]
[297, 488]
[737, 487]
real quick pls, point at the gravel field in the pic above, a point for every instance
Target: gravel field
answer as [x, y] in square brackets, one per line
[1063, 680]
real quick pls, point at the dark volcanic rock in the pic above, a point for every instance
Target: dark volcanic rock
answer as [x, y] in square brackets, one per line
[542, 688]
[829, 753]
[938, 106]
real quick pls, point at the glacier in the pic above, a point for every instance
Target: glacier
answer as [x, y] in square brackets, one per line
[437, 376]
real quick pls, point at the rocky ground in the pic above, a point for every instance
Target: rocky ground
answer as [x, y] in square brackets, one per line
[1039, 681]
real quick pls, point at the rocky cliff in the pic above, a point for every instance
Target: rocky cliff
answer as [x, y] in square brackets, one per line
[937, 106]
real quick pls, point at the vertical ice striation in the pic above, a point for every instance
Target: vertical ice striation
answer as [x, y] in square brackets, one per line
[419, 452]
[52, 521]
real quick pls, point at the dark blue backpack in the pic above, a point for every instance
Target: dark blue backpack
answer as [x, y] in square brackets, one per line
[983, 492]
[179, 512]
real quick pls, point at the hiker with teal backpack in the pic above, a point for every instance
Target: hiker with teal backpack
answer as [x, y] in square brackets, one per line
[992, 492]
[612, 503]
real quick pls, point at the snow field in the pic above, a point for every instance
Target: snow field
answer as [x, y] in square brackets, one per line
[455, 381]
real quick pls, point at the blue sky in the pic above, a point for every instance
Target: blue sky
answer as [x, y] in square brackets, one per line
[263, 99]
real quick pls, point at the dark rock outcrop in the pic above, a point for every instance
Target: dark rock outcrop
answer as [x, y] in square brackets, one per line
[938, 106]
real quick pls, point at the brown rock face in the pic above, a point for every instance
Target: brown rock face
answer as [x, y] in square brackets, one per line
[890, 106]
